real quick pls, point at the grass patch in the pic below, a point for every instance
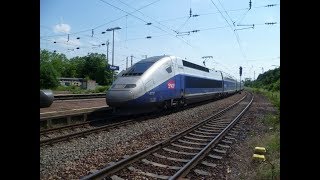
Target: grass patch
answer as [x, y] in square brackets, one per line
[272, 121]
[270, 140]
[264, 170]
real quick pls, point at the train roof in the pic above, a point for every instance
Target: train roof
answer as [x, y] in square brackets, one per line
[152, 59]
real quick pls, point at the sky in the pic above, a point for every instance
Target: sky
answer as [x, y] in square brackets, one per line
[228, 31]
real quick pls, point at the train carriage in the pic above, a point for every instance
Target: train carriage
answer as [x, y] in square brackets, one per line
[165, 81]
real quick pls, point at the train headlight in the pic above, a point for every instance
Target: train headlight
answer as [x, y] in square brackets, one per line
[130, 86]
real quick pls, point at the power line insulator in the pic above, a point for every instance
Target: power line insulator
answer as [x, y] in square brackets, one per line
[148, 23]
[148, 37]
[103, 32]
[270, 23]
[270, 5]
[195, 15]
[103, 44]
[78, 48]
[78, 37]
[54, 42]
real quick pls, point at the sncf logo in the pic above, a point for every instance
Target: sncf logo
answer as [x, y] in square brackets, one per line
[171, 84]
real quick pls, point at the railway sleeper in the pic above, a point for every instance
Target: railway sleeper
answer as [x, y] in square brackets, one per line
[206, 163]
[233, 131]
[232, 134]
[213, 127]
[115, 177]
[226, 141]
[214, 156]
[208, 133]
[148, 162]
[202, 136]
[220, 151]
[171, 158]
[207, 130]
[196, 139]
[230, 138]
[217, 125]
[179, 152]
[194, 143]
[201, 172]
[224, 146]
[133, 169]
[185, 147]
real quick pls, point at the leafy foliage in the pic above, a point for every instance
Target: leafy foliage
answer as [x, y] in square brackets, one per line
[48, 76]
[92, 66]
[269, 80]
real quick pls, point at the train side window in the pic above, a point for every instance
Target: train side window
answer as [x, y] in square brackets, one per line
[169, 70]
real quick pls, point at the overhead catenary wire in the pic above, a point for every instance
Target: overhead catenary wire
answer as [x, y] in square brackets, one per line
[147, 16]
[236, 34]
[144, 21]
[157, 35]
[226, 12]
[172, 19]
[87, 30]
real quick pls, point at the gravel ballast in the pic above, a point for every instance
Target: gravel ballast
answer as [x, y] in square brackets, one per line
[82, 156]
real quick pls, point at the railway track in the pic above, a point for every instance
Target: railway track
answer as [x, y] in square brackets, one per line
[190, 154]
[83, 130]
[45, 132]
[78, 96]
[70, 131]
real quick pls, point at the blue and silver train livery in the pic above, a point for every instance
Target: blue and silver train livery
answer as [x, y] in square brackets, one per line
[165, 81]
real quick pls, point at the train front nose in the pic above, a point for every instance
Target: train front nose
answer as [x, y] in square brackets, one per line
[116, 98]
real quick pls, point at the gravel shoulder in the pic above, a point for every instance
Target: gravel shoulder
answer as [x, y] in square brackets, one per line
[238, 164]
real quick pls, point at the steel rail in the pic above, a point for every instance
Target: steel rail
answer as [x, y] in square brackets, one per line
[42, 132]
[195, 160]
[83, 133]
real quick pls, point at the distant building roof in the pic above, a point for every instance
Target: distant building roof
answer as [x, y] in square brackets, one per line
[70, 79]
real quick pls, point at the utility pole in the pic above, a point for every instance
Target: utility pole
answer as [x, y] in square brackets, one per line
[108, 50]
[131, 60]
[126, 63]
[112, 29]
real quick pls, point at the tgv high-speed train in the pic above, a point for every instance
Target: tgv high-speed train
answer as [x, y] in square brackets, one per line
[166, 81]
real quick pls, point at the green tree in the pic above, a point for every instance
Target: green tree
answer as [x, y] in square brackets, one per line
[48, 76]
[92, 65]
[269, 80]
[95, 68]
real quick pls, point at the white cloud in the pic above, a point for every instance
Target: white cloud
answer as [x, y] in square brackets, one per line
[65, 28]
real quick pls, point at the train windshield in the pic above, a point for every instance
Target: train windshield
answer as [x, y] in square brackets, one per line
[138, 69]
